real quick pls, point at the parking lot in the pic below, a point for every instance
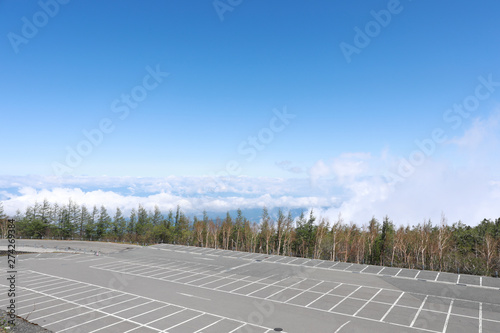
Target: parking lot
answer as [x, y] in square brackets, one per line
[169, 288]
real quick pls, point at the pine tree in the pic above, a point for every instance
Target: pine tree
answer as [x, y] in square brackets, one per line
[86, 225]
[157, 217]
[131, 227]
[238, 228]
[142, 220]
[103, 223]
[119, 224]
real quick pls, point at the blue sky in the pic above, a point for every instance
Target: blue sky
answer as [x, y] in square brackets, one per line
[229, 74]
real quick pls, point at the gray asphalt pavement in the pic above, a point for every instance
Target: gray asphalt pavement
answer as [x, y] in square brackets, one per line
[180, 289]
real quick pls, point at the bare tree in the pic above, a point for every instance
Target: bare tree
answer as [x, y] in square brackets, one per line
[488, 250]
[280, 227]
[321, 231]
[443, 239]
[335, 230]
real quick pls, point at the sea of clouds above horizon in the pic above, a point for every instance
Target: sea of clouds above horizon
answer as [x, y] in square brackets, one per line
[354, 185]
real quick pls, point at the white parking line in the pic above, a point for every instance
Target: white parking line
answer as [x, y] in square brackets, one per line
[164, 270]
[212, 324]
[58, 287]
[189, 295]
[34, 317]
[105, 300]
[237, 328]
[195, 275]
[99, 318]
[285, 288]
[342, 326]
[59, 292]
[348, 267]
[140, 269]
[45, 282]
[29, 300]
[127, 293]
[140, 304]
[317, 299]
[222, 278]
[268, 285]
[166, 277]
[288, 300]
[253, 282]
[143, 313]
[233, 268]
[35, 279]
[185, 321]
[125, 301]
[32, 306]
[371, 299]
[174, 313]
[447, 317]
[94, 259]
[66, 318]
[68, 257]
[418, 312]
[203, 277]
[107, 326]
[392, 306]
[283, 258]
[480, 318]
[333, 307]
[398, 272]
[437, 276]
[231, 282]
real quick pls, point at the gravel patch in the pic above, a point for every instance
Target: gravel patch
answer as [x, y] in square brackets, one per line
[22, 326]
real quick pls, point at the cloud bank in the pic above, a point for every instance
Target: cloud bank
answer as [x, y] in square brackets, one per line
[461, 179]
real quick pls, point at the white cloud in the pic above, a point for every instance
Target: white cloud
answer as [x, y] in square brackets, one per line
[482, 131]
[461, 179]
[167, 193]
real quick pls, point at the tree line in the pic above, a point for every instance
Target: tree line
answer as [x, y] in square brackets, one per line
[456, 248]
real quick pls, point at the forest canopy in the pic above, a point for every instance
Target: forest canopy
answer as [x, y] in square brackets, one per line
[434, 246]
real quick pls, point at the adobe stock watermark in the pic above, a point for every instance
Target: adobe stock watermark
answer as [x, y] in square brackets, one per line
[48, 9]
[454, 116]
[223, 6]
[250, 147]
[372, 29]
[120, 106]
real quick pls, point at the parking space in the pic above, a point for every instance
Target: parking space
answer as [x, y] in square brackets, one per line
[411, 310]
[447, 278]
[187, 289]
[76, 305]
